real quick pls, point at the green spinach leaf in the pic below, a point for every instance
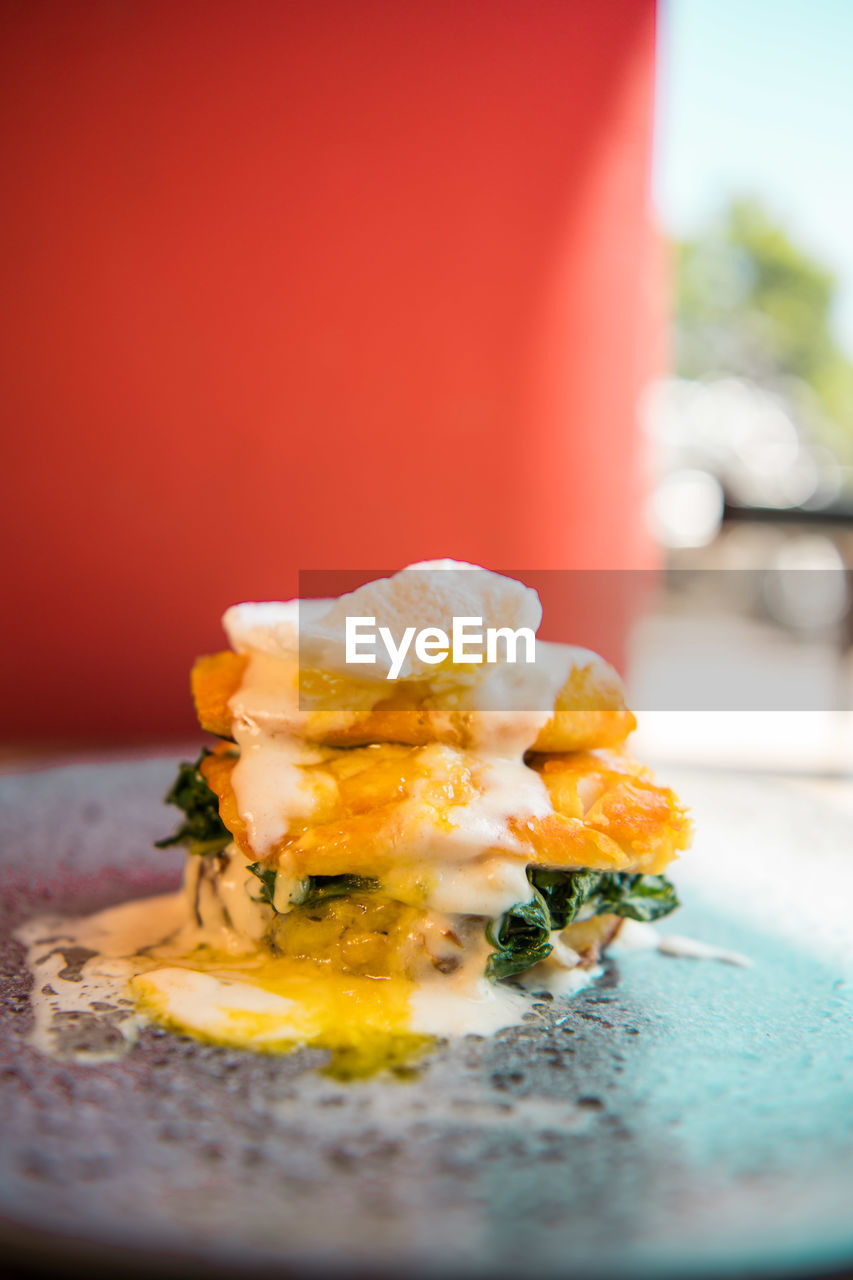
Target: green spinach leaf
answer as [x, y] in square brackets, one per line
[313, 889]
[316, 889]
[267, 876]
[202, 830]
[521, 936]
[564, 891]
[638, 897]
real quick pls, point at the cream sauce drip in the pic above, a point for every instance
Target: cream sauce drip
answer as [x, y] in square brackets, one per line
[635, 935]
[173, 959]
[82, 970]
[270, 784]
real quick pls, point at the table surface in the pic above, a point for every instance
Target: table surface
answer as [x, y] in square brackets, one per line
[678, 1118]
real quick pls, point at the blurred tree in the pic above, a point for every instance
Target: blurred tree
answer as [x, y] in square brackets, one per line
[753, 304]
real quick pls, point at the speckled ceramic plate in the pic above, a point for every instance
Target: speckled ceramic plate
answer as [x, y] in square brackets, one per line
[679, 1118]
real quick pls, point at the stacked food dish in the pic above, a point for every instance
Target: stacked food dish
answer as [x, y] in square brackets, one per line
[374, 859]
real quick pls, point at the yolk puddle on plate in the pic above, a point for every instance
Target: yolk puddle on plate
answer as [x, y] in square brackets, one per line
[277, 1004]
[99, 979]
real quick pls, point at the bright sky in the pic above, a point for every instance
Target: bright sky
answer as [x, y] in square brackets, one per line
[756, 97]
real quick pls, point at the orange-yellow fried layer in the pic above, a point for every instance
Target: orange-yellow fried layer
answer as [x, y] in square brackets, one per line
[214, 680]
[380, 797]
[609, 813]
[589, 711]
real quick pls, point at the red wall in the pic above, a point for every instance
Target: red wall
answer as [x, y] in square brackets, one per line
[301, 285]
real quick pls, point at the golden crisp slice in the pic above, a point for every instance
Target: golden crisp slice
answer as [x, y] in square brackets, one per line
[388, 800]
[589, 712]
[610, 815]
[214, 680]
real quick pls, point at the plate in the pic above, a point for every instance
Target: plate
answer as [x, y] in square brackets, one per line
[680, 1117]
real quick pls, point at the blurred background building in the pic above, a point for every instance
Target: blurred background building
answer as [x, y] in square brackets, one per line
[304, 286]
[755, 108]
[751, 430]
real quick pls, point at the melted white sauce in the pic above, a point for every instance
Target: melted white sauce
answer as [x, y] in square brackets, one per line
[635, 935]
[673, 944]
[482, 1008]
[557, 981]
[225, 907]
[486, 886]
[270, 784]
[505, 788]
[84, 1009]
